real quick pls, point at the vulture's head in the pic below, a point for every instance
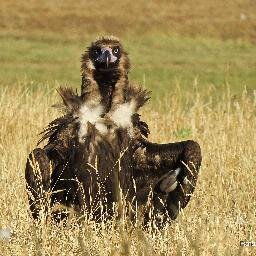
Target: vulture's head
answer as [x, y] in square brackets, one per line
[106, 54]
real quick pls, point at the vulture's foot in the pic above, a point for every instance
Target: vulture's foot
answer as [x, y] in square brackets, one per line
[37, 174]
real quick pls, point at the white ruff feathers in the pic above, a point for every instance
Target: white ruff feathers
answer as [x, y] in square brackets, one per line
[122, 115]
[87, 114]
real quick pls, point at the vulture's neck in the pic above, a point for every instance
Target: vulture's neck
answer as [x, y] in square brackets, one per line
[106, 82]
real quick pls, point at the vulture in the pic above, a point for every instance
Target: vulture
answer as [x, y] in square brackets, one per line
[97, 153]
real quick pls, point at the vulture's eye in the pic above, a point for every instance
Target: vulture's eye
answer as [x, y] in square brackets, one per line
[116, 50]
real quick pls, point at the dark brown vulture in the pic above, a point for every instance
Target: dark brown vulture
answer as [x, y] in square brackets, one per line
[99, 147]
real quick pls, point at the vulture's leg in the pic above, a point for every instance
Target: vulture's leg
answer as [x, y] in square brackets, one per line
[173, 169]
[37, 174]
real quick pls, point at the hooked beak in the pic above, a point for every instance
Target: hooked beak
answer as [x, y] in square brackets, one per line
[107, 57]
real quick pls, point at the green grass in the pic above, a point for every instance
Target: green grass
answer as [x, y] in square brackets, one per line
[170, 42]
[158, 61]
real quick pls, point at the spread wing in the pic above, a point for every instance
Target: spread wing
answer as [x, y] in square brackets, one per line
[171, 170]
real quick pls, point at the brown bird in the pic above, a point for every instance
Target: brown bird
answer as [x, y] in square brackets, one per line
[100, 147]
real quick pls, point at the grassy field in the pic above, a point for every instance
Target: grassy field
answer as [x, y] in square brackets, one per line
[169, 42]
[158, 62]
[197, 57]
[221, 213]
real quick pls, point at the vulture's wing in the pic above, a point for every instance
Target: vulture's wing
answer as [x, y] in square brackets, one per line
[171, 170]
[46, 165]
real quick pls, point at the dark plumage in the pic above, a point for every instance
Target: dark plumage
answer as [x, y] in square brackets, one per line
[100, 146]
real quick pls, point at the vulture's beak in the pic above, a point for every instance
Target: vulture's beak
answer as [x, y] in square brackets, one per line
[106, 56]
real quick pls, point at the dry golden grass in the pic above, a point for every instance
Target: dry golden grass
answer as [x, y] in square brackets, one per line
[221, 19]
[221, 213]
[223, 210]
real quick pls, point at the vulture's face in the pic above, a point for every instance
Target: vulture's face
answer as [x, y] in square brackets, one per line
[105, 54]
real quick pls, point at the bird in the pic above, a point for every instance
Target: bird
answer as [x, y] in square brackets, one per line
[100, 146]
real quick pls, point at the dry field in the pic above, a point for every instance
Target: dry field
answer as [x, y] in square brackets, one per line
[221, 213]
[170, 42]
[234, 19]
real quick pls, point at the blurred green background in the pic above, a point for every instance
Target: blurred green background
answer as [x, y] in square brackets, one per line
[210, 43]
